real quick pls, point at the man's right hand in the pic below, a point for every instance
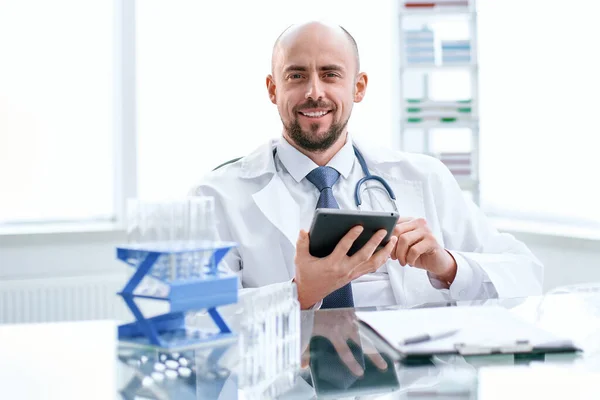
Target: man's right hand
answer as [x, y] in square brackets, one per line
[317, 277]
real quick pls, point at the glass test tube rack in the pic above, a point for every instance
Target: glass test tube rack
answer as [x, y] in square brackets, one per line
[186, 275]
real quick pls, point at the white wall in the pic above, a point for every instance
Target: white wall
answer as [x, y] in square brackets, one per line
[567, 260]
[59, 254]
[200, 77]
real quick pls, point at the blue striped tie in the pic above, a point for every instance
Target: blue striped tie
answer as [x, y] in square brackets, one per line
[324, 178]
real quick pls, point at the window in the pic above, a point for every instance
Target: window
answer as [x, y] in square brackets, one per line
[539, 87]
[201, 69]
[201, 100]
[56, 110]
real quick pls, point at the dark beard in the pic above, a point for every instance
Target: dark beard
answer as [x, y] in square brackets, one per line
[310, 141]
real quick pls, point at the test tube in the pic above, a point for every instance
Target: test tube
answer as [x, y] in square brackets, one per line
[133, 228]
[201, 228]
[202, 218]
[175, 237]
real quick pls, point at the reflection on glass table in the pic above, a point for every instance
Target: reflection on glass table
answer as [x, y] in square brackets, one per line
[344, 363]
[190, 374]
[338, 361]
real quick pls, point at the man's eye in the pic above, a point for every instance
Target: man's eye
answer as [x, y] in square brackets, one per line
[295, 76]
[331, 75]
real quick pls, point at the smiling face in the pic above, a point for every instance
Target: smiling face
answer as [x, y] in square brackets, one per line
[314, 84]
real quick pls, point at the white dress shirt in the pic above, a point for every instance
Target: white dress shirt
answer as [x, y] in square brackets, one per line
[373, 289]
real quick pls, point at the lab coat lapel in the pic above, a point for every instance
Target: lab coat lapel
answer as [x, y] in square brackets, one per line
[276, 203]
[273, 200]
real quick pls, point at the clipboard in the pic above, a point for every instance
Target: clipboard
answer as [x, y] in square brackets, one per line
[480, 330]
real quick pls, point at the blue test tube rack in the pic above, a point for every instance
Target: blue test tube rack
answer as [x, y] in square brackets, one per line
[204, 292]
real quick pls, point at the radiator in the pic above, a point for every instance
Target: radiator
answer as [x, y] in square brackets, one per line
[63, 299]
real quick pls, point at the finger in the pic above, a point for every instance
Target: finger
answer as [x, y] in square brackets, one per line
[376, 260]
[371, 351]
[379, 362]
[405, 241]
[408, 226]
[369, 248]
[401, 228]
[347, 357]
[417, 250]
[395, 233]
[344, 245]
[381, 256]
[302, 244]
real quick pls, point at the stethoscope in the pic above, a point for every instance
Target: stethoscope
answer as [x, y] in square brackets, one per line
[368, 177]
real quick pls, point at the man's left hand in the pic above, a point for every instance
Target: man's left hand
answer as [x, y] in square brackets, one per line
[418, 247]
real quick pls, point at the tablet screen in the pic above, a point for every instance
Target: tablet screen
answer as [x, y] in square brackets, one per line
[330, 225]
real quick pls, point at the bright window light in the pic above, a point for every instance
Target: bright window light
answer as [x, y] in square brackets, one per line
[56, 107]
[539, 86]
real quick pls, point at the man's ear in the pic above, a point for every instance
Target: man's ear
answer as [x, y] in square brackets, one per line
[360, 87]
[271, 88]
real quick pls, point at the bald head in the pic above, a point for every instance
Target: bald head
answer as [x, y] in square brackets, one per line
[315, 81]
[312, 31]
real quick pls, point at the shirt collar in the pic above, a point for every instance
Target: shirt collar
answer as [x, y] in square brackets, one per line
[299, 165]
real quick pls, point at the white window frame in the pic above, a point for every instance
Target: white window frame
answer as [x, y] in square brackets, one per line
[124, 136]
[125, 132]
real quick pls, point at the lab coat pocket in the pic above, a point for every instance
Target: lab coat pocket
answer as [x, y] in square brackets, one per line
[264, 261]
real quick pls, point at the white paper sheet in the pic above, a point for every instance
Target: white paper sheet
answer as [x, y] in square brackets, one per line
[478, 326]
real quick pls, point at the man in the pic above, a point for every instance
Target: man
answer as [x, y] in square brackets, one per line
[443, 247]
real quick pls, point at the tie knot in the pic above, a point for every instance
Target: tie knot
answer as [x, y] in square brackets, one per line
[323, 177]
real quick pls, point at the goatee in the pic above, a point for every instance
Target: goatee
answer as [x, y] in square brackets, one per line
[313, 141]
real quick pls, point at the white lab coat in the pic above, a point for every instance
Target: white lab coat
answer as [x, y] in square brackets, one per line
[255, 210]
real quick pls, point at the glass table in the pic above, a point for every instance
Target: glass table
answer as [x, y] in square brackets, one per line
[339, 362]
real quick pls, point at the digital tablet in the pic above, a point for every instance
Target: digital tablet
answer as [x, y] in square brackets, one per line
[331, 377]
[330, 225]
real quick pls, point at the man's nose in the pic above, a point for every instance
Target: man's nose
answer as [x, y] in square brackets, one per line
[315, 89]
